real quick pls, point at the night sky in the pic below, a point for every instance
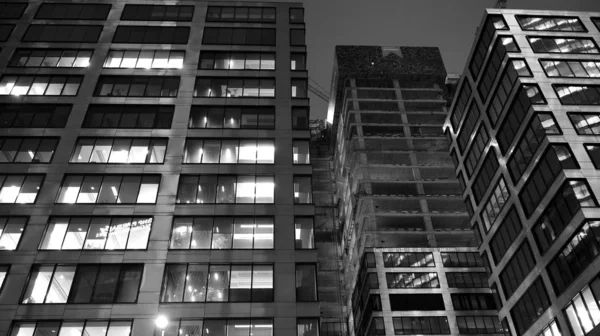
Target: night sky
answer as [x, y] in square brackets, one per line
[447, 24]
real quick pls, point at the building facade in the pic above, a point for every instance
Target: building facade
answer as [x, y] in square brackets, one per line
[155, 161]
[410, 262]
[524, 132]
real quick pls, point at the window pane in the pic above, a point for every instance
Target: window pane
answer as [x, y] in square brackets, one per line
[106, 284]
[98, 233]
[38, 284]
[173, 283]
[129, 283]
[218, 283]
[61, 284]
[306, 283]
[222, 237]
[304, 233]
[265, 189]
[195, 290]
[241, 283]
[75, 236]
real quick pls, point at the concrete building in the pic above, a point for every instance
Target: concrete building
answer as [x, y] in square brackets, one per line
[154, 161]
[524, 131]
[410, 262]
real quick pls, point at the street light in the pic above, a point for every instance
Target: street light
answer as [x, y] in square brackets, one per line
[161, 322]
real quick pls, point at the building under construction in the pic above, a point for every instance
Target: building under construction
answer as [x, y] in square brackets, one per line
[409, 258]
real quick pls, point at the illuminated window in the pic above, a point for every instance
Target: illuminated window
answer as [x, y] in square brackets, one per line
[307, 327]
[234, 87]
[62, 33]
[223, 60]
[583, 312]
[240, 14]
[304, 233]
[301, 151]
[550, 23]
[145, 59]
[20, 188]
[137, 86]
[109, 189]
[11, 230]
[302, 189]
[40, 85]
[256, 151]
[563, 45]
[27, 150]
[72, 327]
[129, 116]
[225, 189]
[51, 58]
[119, 150]
[259, 117]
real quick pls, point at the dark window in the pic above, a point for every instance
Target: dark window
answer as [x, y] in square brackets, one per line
[298, 61]
[556, 158]
[240, 14]
[525, 149]
[582, 311]
[222, 233]
[494, 205]
[492, 23]
[5, 31]
[73, 327]
[575, 257]
[571, 68]
[239, 36]
[500, 98]
[230, 87]
[307, 327]
[506, 234]
[549, 123]
[105, 283]
[461, 259]
[157, 13]
[378, 106]
[424, 325]
[217, 283]
[297, 37]
[517, 269]
[151, 35]
[299, 88]
[473, 301]
[563, 45]
[145, 59]
[236, 151]
[137, 86]
[467, 279]
[27, 150]
[109, 189]
[460, 104]
[40, 85]
[404, 302]
[412, 280]
[594, 153]
[224, 60]
[464, 135]
[596, 22]
[481, 325]
[550, 23]
[50, 58]
[300, 118]
[503, 45]
[119, 150]
[486, 172]
[129, 116]
[514, 118]
[12, 10]
[257, 117]
[306, 282]
[578, 94]
[586, 123]
[67, 11]
[296, 15]
[369, 259]
[20, 188]
[480, 141]
[530, 306]
[11, 230]
[33, 115]
[62, 33]
[209, 189]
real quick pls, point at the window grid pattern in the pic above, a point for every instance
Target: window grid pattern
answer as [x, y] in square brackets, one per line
[506, 234]
[473, 301]
[407, 259]
[493, 23]
[238, 36]
[461, 259]
[11, 230]
[503, 45]
[477, 325]
[62, 33]
[551, 329]
[66, 11]
[151, 35]
[240, 14]
[515, 116]
[137, 86]
[20, 188]
[578, 94]
[585, 123]
[145, 59]
[484, 177]
[190, 233]
[234, 87]
[571, 68]
[563, 45]
[207, 327]
[75, 328]
[495, 204]
[550, 23]
[575, 257]
[259, 117]
[24, 85]
[467, 279]
[129, 116]
[231, 151]
[500, 97]
[301, 151]
[412, 280]
[525, 149]
[51, 58]
[464, 135]
[210, 189]
[109, 189]
[119, 150]
[517, 269]
[217, 283]
[303, 189]
[461, 104]
[33, 115]
[474, 154]
[582, 311]
[236, 60]
[423, 325]
[572, 196]
[97, 233]
[157, 13]
[530, 306]
[27, 150]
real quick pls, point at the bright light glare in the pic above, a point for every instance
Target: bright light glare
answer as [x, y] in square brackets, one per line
[161, 321]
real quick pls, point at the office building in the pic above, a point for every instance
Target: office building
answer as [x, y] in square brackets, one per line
[154, 163]
[409, 258]
[524, 129]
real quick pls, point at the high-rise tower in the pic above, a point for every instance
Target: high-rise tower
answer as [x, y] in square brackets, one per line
[154, 161]
[525, 128]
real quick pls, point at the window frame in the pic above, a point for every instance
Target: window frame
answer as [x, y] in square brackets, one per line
[519, 16]
[88, 30]
[25, 225]
[261, 20]
[61, 322]
[13, 59]
[554, 37]
[215, 178]
[122, 109]
[25, 176]
[269, 110]
[114, 139]
[221, 141]
[103, 176]
[22, 140]
[567, 60]
[33, 109]
[151, 18]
